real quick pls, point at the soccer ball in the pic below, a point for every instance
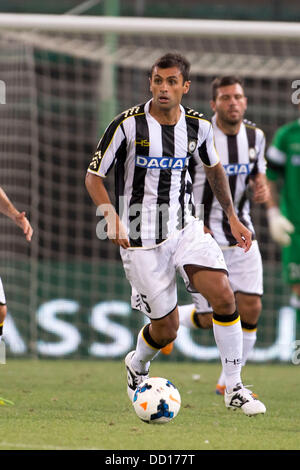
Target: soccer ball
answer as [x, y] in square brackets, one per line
[156, 400]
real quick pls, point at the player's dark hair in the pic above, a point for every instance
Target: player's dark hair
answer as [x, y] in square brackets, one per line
[226, 80]
[173, 60]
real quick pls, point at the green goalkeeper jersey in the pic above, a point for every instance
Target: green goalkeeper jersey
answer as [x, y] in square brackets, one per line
[283, 159]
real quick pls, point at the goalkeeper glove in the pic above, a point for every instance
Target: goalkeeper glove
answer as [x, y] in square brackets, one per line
[280, 227]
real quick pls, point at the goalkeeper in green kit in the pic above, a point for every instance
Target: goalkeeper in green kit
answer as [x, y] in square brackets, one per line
[283, 172]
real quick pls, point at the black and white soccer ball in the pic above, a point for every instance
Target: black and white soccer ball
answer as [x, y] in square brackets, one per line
[156, 400]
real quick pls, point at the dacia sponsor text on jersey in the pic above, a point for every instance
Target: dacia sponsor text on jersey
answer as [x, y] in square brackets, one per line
[237, 169]
[161, 163]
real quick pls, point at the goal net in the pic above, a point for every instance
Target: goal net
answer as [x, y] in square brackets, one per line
[65, 78]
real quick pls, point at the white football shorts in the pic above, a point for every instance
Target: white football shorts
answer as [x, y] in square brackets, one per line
[245, 274]
[152, 272]
[2, 295]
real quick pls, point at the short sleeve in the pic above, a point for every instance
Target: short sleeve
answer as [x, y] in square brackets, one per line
[207, 150]
[105, 155]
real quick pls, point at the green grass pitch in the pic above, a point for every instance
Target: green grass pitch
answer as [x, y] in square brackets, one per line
[68, 404]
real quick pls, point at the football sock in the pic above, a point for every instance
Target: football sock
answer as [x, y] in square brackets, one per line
[187, 315]
[249, 340]
[1, 328]
[229, 339]
[221, 379]
[146, 350]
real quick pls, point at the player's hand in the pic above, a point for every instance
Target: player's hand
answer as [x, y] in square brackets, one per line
[116, 232]
[242, 235]
[280, 227]
[22, 222]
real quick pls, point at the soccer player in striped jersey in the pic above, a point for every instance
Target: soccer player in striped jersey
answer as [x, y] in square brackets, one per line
[150, 146]
[19, 218]
[241, 149]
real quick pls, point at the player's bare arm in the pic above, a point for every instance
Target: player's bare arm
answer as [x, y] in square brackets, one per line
[273, 195]
[261, 190]
[19, 218]
[220, 187]
[115, 229]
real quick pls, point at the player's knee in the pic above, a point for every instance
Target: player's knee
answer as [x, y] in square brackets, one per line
[250, 310]
[256, 307]
[224, 302]
[164, 331]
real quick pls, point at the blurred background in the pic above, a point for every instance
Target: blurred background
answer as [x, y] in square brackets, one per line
[258, 10]
[67, 294]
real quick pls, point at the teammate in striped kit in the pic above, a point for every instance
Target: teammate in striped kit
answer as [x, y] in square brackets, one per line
[241, 149]
[150, 146]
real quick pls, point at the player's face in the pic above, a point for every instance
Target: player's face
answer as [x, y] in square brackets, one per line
[230, 104]
[167, 87]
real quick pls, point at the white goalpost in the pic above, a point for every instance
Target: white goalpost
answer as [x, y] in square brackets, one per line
[65, 78]
[150, 26]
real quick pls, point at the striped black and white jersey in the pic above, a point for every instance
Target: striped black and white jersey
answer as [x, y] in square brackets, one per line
[152, 182]
[242, 156]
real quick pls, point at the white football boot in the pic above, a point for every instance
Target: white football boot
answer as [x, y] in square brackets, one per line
[133, 378]
[244, 399]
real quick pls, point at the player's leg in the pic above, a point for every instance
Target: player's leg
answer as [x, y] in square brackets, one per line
[246, 279]
[153, 293]
[204, 266]
[199, 315]
[227, 329]
[195, 315]
[215, 287]
[249, 307]
[151, 339]
[154, 336]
